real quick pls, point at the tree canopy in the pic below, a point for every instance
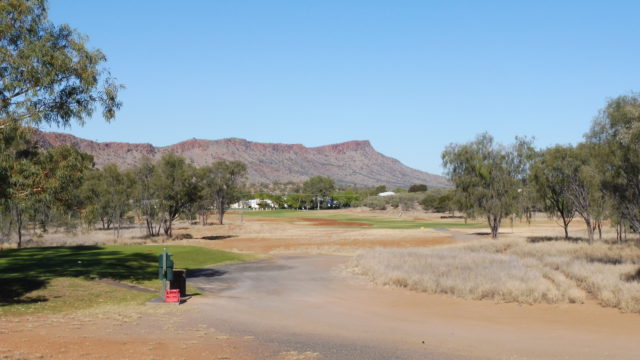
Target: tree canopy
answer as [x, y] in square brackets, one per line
[489, 176]
[320, 187]
[47, 73]
[551, 178]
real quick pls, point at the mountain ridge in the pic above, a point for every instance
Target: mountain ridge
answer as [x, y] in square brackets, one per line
[353, 162]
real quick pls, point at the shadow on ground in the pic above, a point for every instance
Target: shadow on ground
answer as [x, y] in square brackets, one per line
[25, 270]
[206, 273]
[538, 239]
[634, 277]
[218, 237]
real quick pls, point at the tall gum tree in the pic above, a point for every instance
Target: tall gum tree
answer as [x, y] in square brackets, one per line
[48, 75]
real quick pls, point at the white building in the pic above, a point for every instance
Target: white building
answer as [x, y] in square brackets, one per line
[386, 193]
[253, 204]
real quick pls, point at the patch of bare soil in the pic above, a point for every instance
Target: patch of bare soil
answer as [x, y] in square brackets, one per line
[264, 237]
[154, 332]
[115, 335]
[329, 222]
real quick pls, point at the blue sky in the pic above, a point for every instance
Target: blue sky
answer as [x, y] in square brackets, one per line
[410, 76]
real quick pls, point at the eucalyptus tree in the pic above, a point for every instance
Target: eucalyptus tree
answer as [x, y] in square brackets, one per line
[551, 178]
[320, 187]
[489, 176]
[48, 75]
[47, 72]
[176, 187]
[145, 195]
[222, 184]
[584, 187]
[107, 194]
[44, 182]
[615, 134]
[24, 186]
[65, 168]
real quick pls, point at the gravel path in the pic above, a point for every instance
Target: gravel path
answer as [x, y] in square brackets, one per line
[303, 305]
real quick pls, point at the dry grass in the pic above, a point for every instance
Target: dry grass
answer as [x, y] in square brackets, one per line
[513, 271]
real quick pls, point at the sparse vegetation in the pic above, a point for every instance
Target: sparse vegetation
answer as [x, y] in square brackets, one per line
[513, 271]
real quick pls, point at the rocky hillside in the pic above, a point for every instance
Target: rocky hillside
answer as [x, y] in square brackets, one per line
[353, 162]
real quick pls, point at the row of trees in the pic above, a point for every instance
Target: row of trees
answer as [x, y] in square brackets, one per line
[36, 186]
[597, 180]
[158, 193]
[61, 183]
[321, 192]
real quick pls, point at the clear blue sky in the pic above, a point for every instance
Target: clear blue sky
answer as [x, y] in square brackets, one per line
[410, 76]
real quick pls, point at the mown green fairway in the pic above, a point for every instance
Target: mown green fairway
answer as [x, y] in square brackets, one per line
[374, 222]
[61, 278]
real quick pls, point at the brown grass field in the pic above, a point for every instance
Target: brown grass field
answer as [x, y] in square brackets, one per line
[525, 275]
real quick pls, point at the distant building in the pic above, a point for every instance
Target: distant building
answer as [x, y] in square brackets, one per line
[386, 193]
[253, 204]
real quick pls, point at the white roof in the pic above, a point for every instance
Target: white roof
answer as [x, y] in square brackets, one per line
[386, 193]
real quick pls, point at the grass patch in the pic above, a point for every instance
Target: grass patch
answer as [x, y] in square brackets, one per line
[374, 222]
[60, 278]
[513, 271]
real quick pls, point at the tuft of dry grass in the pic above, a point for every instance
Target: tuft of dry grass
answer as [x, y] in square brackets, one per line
[512, 271]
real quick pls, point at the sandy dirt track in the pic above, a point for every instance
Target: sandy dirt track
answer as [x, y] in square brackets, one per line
[307, 304]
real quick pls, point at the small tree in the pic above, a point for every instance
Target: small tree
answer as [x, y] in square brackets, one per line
[438, 200]
[176, 186]
[488, 175]
[418, 188]
[551, 178]
[114, 193]
[379, 189]
[222, 183]
[146, 197]
[346, 198]
[615, 140]
[320, 187]
[584, 184]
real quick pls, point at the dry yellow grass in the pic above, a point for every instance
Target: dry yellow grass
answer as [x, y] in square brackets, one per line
[512, 271]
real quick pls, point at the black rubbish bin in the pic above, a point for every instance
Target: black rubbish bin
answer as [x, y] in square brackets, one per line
[179, 281]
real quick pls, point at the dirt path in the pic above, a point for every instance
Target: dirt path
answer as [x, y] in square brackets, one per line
[302, 304]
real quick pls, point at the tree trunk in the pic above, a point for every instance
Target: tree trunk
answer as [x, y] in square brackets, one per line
[619, 233]
[589, 230]
[565, 225]
[149, 226]
[119, 223]
[494, 225]
[167, 224]
[19, 226]
[203, 216]
[220, 211]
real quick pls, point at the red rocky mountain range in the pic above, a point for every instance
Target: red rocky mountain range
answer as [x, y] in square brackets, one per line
[353, 162]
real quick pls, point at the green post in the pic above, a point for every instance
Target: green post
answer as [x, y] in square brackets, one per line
[164, 272]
